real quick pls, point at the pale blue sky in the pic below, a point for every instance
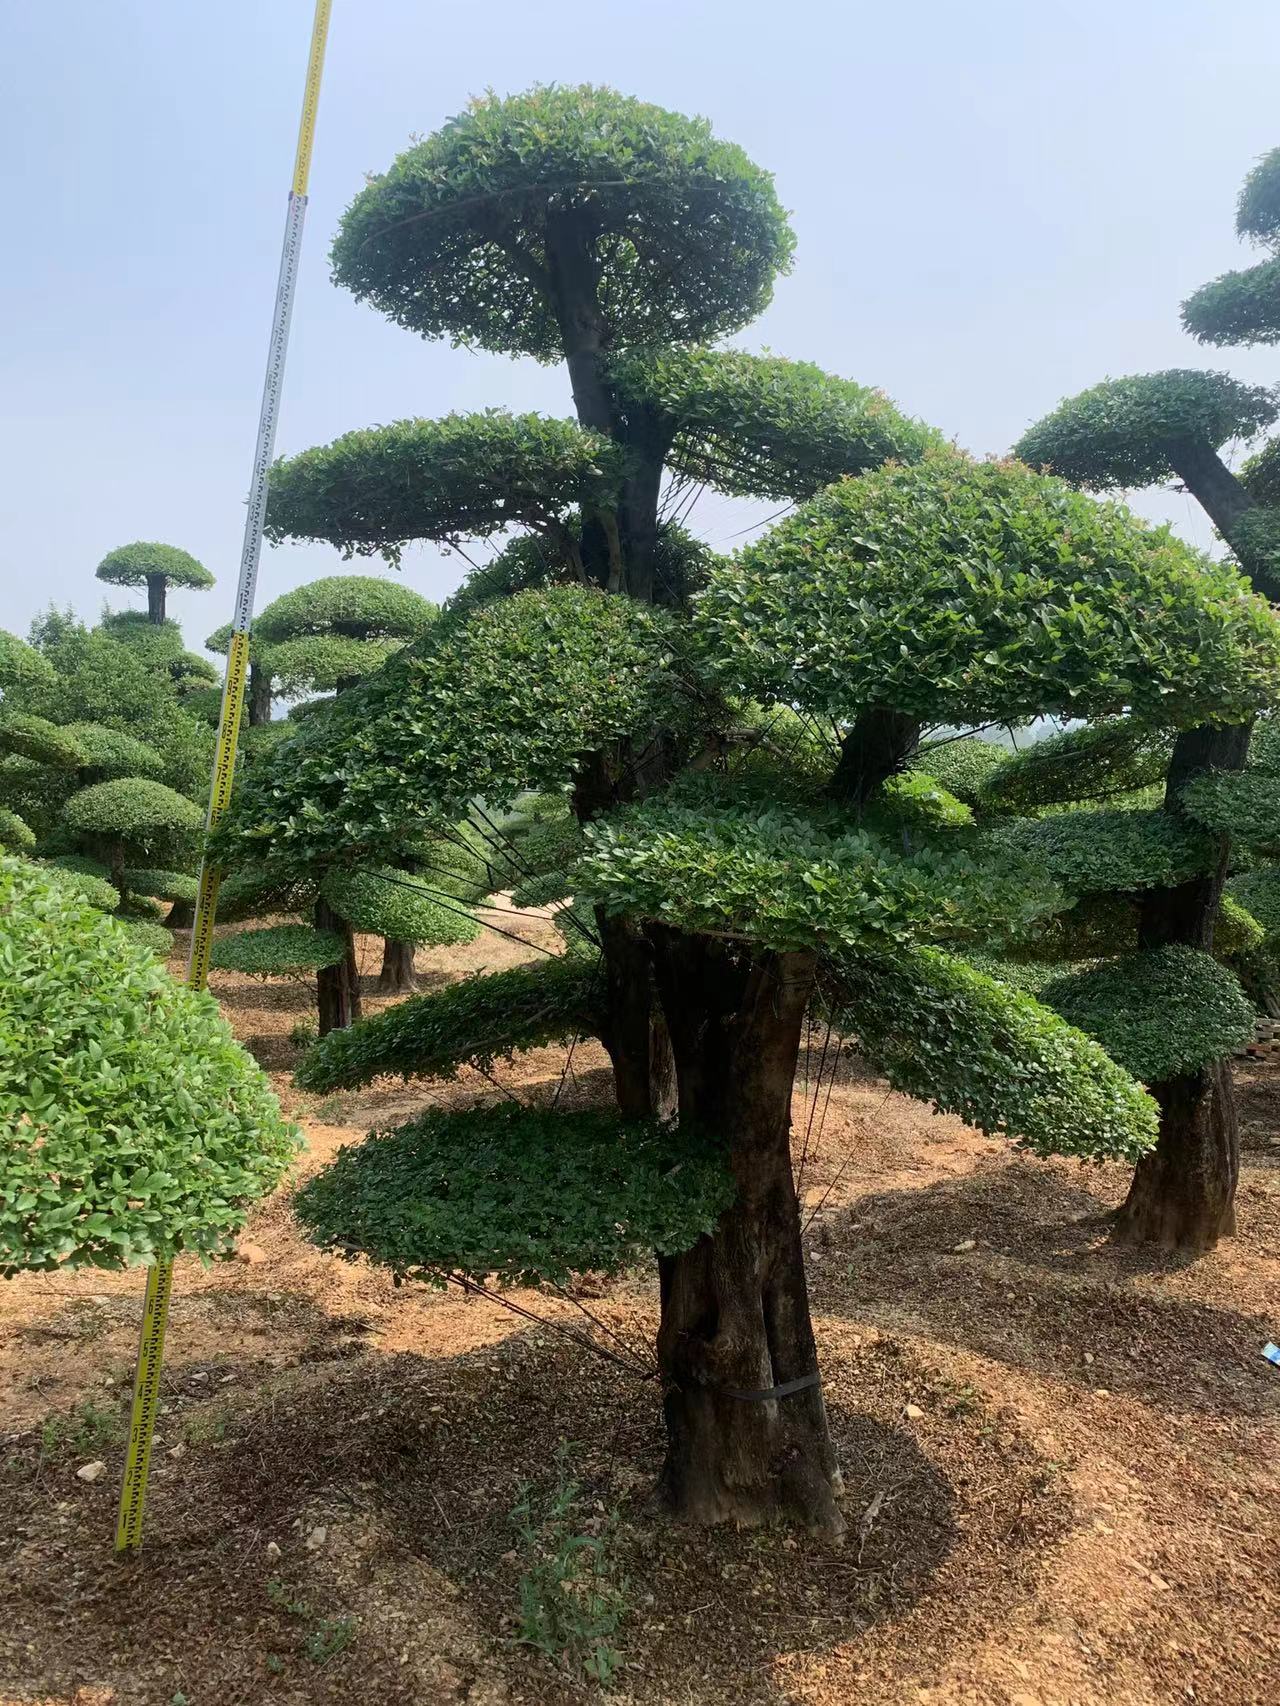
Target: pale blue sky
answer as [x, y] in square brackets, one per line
[996, 204]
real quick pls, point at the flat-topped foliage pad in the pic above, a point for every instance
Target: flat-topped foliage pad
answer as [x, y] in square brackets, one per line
[399, 906]
[1095, 762]
[470, 1023]
[1089, 852]
[1160, 1014]
[38, 740]
[517, 1194]
[278, 950]
[132, 1125]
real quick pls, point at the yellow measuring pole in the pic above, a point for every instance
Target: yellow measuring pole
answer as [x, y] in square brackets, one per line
[155, 1312]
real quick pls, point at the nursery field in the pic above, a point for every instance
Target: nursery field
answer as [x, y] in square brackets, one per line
[1062, 1462]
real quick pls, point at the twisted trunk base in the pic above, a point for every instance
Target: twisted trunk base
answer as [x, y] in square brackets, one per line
[735, 1331]
[1183, 1193]
[397, 976]
[181, 915]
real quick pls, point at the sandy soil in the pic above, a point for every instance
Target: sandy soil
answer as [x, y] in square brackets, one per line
[1062, 1461]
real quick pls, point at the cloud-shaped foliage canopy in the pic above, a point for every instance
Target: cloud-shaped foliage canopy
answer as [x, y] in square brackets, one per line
[1125, 433]
[462, 237]
[963, 592]
[461, 477]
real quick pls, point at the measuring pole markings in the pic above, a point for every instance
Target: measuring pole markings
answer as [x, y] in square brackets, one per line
[146, 1385]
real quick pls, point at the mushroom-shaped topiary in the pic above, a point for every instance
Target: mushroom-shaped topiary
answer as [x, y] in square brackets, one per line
[327, 634]
[133, 1126]
[1152, 427]
[131, 818]
[468, 232]
[155, 566]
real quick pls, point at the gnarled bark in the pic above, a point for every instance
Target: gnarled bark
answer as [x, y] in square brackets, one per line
[337, 987]
[397, 976]
[875, 748]
[156, 585]
[735, 1321]
[259, 695]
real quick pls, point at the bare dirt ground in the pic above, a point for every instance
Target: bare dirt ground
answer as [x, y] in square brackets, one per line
[1062, 1462]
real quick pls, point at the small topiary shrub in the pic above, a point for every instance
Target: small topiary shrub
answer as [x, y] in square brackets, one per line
[396, 905]
[132, 1125]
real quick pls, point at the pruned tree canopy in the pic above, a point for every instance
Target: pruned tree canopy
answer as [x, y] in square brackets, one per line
[960, 592]
[943, 1030]
[461, 477]
[467, 234]
[1244, 307]
[504, 702]
[1161, 1013]
[135, 810]
[362, 607]
[762, 426]
[1097, 761]
[1127, 433]
[522, 1194]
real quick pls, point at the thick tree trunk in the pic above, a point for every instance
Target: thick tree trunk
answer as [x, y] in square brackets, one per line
[337, 987]
[155, 598]
[181, 915]
[116, 863]
[875, 748]
[397, 976]
[1212, 484]
[747, 1436]
[259, 695]
[1183, 1192]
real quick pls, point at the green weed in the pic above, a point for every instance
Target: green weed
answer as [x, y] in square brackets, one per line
[571, 1600]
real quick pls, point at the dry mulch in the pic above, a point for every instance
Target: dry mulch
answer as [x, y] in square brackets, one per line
[1085, 1509]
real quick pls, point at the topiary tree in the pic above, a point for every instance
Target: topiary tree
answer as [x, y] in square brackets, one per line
[384, 899]
[1128, 433]
[1131, 433]
[730, 883]
[135, 1126]
[1244, 307]
[128, 820]
[155, 566]
[326, 635]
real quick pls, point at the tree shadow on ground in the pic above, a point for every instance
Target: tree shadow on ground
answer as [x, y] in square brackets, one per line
[374, 1493]
[1039, 1289]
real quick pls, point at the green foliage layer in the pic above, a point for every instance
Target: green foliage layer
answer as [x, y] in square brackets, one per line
[506, 701]
[21, 666]
[1237, 308]
[131, 1123]
[279, 950]
[15, 835]
[1091, 852]
[394, 904]
[321, 662]
[761, 426]
[363, 606]
[38, 740]
[791, 881]
[1125, 433]
[1244, 804]
[110, 752]
[1259, 893]
[129, 565]
[470, 1023]
[465, 476]
[460, 237]
[522, 1194]
[162, 884]
[135, 810]
[959, 592]
[1160, 1014]
[942, 1030]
